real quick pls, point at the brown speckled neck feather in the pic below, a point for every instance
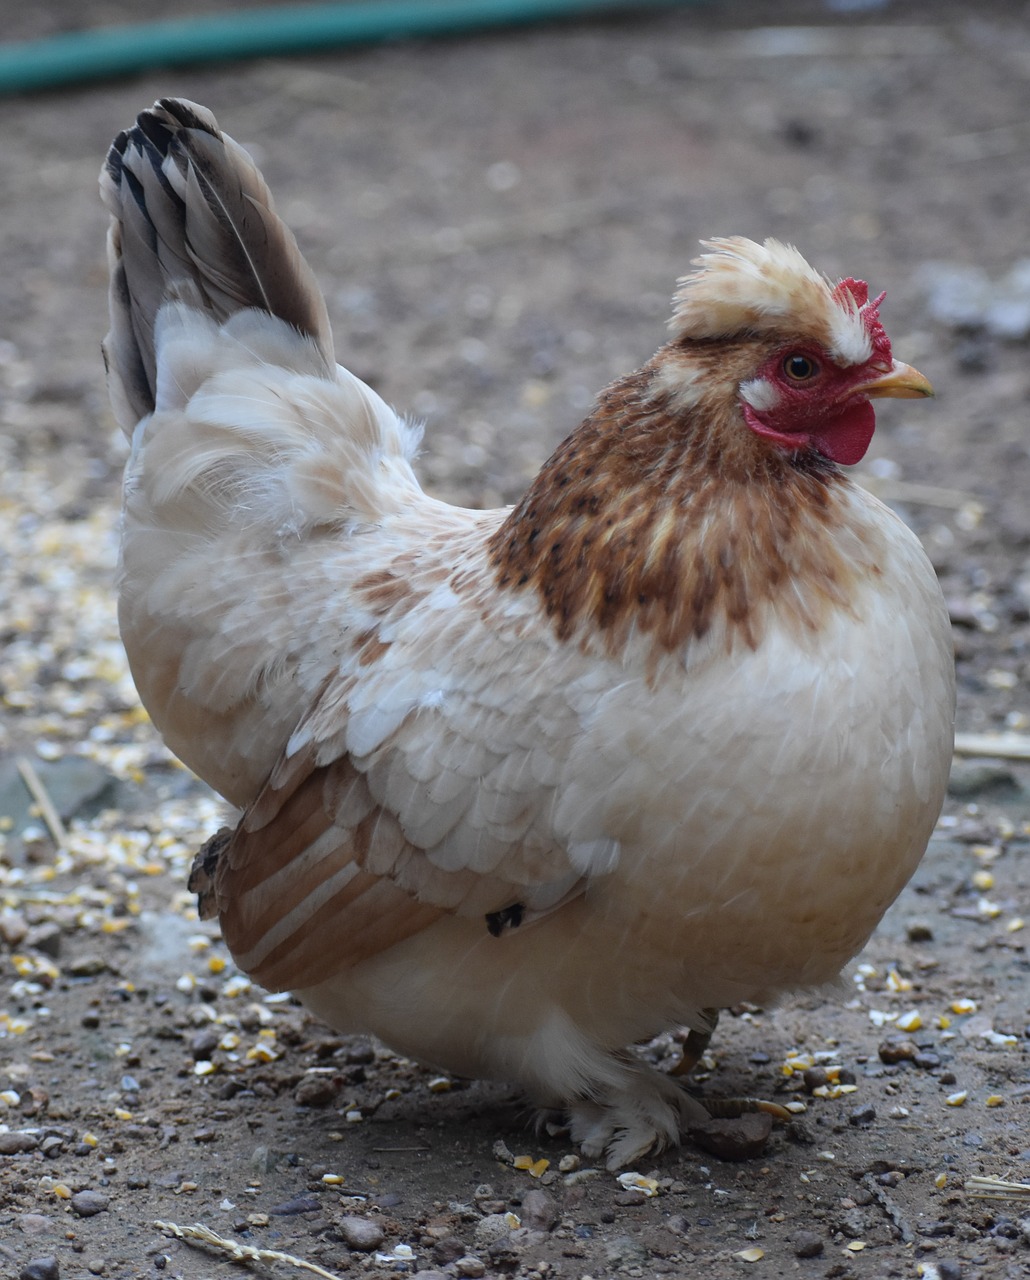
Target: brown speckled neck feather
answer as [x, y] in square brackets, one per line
[665, 522]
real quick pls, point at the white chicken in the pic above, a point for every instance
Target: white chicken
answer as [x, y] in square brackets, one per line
[521, 787]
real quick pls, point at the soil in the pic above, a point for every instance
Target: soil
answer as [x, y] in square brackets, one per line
[498, 222]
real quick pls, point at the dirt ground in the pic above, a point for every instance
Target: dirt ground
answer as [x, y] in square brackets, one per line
[498, 222]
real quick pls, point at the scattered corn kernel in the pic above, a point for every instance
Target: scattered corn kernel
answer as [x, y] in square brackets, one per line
[121, 1114]
[439, 1084]
[526, 1164]
[204, 1067]
[982, 880]
[994, 1100]
[855, 1246]
[963, 1006]
[10, 1098]
[263, 1052]
[62, 1191]
[90, 1139]
[754, 1254]
[217, 964]
[637, 1182]
[956, 1099]
[910, 1021]
[1015, 924]
[332, 1179]
[941, 1181]
[895, 982]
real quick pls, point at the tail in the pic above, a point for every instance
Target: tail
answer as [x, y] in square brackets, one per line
[192, 221]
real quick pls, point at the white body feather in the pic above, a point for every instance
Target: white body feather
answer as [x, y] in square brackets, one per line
[724, 825]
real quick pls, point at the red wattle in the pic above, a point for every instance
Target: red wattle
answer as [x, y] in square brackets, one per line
[845, 439]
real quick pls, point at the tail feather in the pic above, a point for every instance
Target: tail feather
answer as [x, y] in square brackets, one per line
[193, 221]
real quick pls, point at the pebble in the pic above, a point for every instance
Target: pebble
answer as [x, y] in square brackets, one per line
[361, 1234]
[539, 1210]
[33, 1224]
[895, 1050]
[449, 1249]
[949, 1269]
[316, 1091]
[13, 928]
[739, 1139]
[625, 1251]
[203, 1043]
[807, 1245]
[14, 1143]
[299, 1204]
[918, 931]
[862, 1117]
[40, 1269]
[89, 1203]
[470, 1266]
[494, 1227]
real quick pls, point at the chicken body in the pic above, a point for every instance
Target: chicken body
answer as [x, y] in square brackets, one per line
[521, 787]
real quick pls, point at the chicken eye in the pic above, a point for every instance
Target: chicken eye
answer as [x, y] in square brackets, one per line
[800, 368]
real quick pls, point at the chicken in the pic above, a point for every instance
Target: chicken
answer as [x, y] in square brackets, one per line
[521, 788]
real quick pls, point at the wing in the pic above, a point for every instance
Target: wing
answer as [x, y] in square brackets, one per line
[427, 778]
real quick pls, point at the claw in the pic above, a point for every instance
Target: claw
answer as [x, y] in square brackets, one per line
[695, 1044]
[720, 1108]
[734, 1108]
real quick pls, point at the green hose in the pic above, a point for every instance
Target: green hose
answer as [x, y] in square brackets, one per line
[113, 51]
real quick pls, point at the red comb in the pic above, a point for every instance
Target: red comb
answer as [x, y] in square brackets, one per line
[858, 291]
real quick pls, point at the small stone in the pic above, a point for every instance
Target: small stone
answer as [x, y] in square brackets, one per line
[807, 1245]
[494, 1227]
[862, 1117]
[918, 931]
[449, 1249]
[45, 938]
[316, 1091]
[361, 1053]
[96, 1266]
[89, 1203]
[299, 1204]
[815, 1078]
[630, 1198]
[539, 1211]
[40, 1269]
[949, 1269]
[203, 1043]
[926, 1061]
[14, 1143]
[13, 928]
[34, 1224]
[740, 1139]
[470, 1266]
[204, 1135]
[89, 966]
[625, 1251]
[894, 1050]
[361, 1234]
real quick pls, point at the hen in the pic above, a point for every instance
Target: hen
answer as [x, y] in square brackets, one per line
[521, 787]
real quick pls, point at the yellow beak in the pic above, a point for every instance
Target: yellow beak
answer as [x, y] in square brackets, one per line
[902, 382]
